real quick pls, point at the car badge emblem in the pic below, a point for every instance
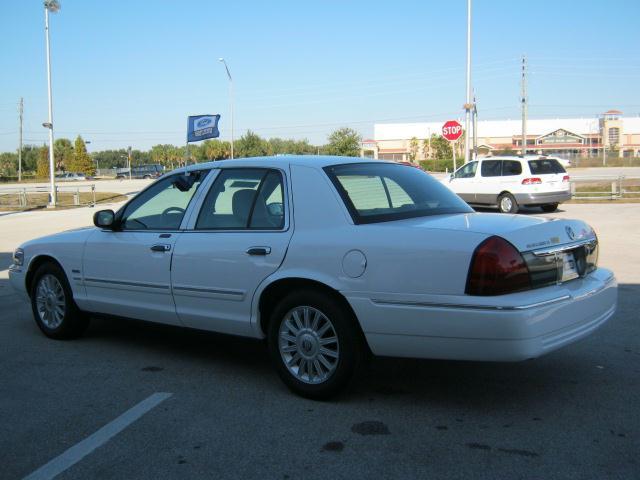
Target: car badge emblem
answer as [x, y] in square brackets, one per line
[570, 233]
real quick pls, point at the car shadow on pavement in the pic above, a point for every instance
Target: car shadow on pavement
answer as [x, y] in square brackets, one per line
[483, 385]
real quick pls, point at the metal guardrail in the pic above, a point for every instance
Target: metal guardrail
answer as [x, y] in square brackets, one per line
[616, 192]
[22, 194]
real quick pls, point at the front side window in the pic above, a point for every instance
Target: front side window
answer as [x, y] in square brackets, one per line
[467, 171]
[244, 198]
[380, 192]
[491, 168]
[162, 206]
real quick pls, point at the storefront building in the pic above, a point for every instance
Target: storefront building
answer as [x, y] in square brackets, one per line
[567, 137]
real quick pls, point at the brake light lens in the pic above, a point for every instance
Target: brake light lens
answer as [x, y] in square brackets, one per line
[497, 268]
[565, 178]
[531, 181]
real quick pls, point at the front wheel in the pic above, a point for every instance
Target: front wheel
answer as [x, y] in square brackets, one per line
[314, 343]
[54, 310]
[551, 207]
[507, 203]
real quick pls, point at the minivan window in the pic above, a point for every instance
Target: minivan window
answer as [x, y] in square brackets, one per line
[511, 167]
[382, 192]
[545, 166]
[467, 171]
[491, 168]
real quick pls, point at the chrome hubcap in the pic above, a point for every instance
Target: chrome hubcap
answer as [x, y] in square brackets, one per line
[308, 344]
[50, 301]
[506, 204]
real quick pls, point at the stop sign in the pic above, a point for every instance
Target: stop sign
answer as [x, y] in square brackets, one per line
[451, 130]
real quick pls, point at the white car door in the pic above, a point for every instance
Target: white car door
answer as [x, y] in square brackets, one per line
[126, 271]
[464, 183]
[488, 186]
[239, 238]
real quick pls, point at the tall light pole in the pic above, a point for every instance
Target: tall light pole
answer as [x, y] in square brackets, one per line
[226, 67]
[50, 6]
[468, 106]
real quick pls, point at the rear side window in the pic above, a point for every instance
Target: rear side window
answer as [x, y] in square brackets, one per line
[491, 168]
[511, 167]
[243, 199]
[381, 192]
[545, 167]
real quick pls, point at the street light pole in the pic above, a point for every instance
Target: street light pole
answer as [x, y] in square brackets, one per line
[53, 6]
[226, 67]
[467, 105]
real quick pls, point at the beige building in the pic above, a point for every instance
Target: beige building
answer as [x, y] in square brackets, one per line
[566, 137]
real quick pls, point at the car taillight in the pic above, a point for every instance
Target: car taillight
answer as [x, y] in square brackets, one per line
[531, 181]
[565, 178]
[497, 267]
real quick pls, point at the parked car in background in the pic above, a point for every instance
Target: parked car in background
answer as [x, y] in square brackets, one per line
[566, 163]
[327, 258]
[72, 177]
[512, 182]
[141, 171]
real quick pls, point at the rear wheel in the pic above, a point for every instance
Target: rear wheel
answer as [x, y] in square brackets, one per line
[550, 207]
[54, 310]
[507, 203]
[314, 344]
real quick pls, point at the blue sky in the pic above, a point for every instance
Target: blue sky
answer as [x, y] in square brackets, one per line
[129, 72]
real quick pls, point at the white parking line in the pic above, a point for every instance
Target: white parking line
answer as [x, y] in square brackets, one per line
[89, 444]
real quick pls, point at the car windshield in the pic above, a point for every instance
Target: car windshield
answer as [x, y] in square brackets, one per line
[545, 166]
[382, 192]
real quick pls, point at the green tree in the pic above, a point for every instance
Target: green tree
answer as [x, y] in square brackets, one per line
[43, 162]
[252, 145]
[344, 141]
[63, 154]
[82, 162]
[8, 164]
[215, 150]
[426, 149]
[413, 149]
[441, 147]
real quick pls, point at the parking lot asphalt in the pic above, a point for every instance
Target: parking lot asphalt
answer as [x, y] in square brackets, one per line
[572, 414]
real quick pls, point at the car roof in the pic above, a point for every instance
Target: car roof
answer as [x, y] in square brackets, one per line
[282, 161]
[516, 157]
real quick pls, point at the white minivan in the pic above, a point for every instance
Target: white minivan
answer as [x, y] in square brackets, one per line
[512, 182]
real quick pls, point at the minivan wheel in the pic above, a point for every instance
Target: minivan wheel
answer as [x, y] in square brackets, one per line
[550, 207]
[314, 344]
[507, 203]
[54, 310]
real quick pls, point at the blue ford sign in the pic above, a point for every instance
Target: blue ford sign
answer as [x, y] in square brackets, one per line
[201, 127]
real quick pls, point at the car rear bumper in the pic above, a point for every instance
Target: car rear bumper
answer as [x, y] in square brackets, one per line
[507, 328]
[542, 198]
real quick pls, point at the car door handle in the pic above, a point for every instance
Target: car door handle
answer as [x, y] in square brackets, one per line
[258, 250]
[161, 247]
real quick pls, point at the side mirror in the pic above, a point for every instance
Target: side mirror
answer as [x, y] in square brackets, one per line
[104, 219]
[452, 176]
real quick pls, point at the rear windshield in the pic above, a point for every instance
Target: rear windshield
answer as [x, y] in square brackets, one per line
[382, 192]
[545, 166]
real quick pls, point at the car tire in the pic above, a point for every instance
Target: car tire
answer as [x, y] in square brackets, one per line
[54, 310]
[550, 207]
[318, 353]
[507, 203]
[147, 177]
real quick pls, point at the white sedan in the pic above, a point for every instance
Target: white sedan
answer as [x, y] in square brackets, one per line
[328, 258]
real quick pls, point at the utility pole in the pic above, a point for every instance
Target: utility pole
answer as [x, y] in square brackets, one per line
[20, 111]
[524, 105]
[467, 105]
[129, 161]
[475, 127]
